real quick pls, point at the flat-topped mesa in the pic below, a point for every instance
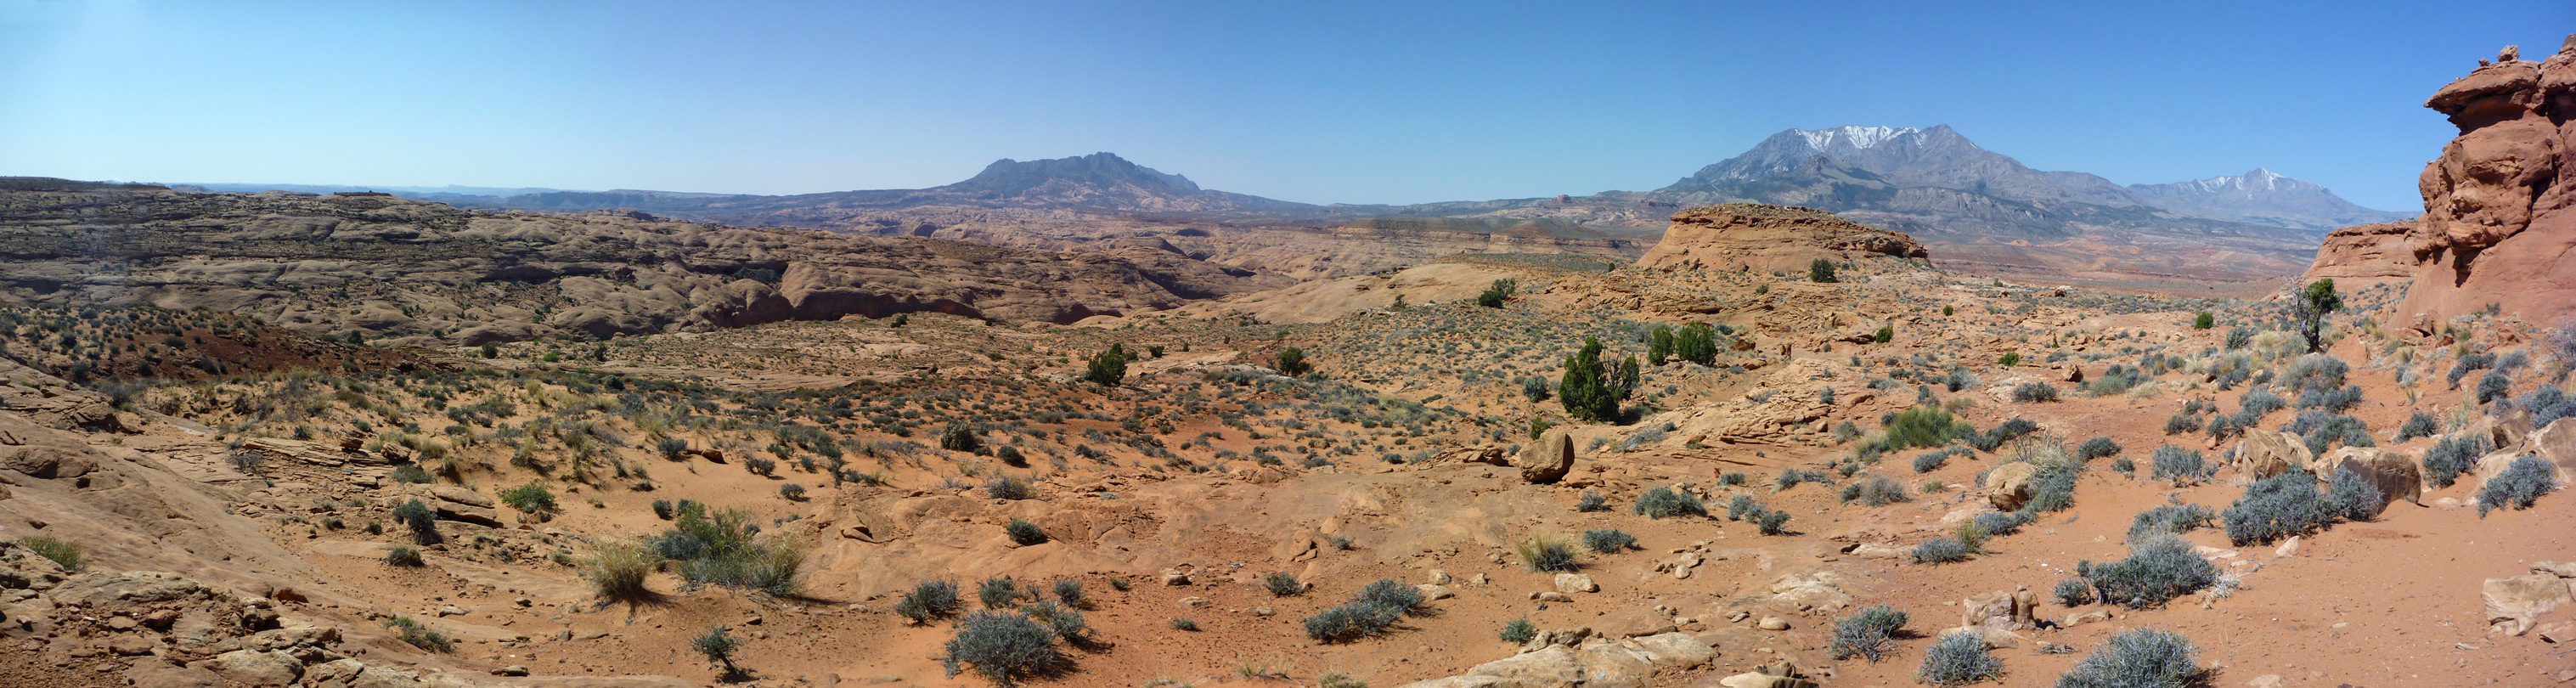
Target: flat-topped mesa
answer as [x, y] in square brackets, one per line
[2499, 222]
[2361, 255]
[1756, 236]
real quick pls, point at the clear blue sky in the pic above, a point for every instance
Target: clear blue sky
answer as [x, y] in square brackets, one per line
[1307, 101]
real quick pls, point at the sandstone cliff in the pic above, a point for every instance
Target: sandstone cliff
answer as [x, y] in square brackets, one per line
[2499, 209]
[386, 267]
[1754, 236]
[2365, 254]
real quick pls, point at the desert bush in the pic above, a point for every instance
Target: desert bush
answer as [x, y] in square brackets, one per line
[1771, 522]
[2519, 486]
[1004, 647]
[2420, 424]
[2170, 519]
[792, 492]
[1959, 659]
[2451, 456]
[1941, 551]
[930, 600]
[2141, 658]
[1922, 426]
[2006, 431]
[1546, 553]
[2034, 392]
[1665, 502]
[1025, 533]
[1002, 487]
[2159, 568]
[1519, 631]
[1742, 507]
[2277, 507]
[1821, 271]
[1998, 523]
[662, 509]
[2073, 592]
[1283, 584]
[2315, 372]
[1869, 634]
[2496, 385]
[1791, 477]
[532, 499]
[2352, 496]
[2179, 464]
[403, 556]
[1377, 606]
[721, 549]
[1191, 625]
[1591, 390]
[1061, 619]
[410, 473]
[1591, 502]
[2096, 448]
[1878, 490]
[64, 553]
[616, 570]
[998, 592]
[423, 523]
[2256, 404]
[1608, 540]
[759, 466]
[2468, 363]
[1931, 461]
[416, 635]
[2204, 320]
[1070, 593]
[1292, 362]
[2182, 423]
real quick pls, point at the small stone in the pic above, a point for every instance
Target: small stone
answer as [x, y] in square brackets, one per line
[1264, 611]
[1774, 623]
[511, 670]
[2287, 548]
[1551, 596]
[1439, 577]
[1193, 602]
[2267, 681]
[1576, 582]
[451, 610]
[1434, 592]
[1175, 577]
[121, 623]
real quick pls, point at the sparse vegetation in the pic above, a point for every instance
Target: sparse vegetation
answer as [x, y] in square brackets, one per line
[2141, 658]
[64, 553]
[1868, 634]
[1546, 554]
[1959, 659]
[1665, 502]
[2519, 486]
[1608, 540]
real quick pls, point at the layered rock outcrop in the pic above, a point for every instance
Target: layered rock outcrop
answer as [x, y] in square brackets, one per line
[2499, 222]
[1754, 236]
[387, 267]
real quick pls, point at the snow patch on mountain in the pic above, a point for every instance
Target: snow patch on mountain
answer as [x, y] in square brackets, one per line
[1858, 137]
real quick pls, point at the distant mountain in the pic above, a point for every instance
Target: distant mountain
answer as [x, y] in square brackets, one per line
[2263, 198]
[1100, 182]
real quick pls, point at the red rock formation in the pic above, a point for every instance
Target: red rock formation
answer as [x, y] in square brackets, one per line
[2367, 254]
[1754, 236]
[2499, 222]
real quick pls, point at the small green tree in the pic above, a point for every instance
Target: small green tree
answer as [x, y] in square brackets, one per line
[423, 522]
[1109, 367]
[1292, 362]
[2315, 301]
[1697, 343]
[491, 350]
[1821, 271]
[2204, 320]
[1592, 391]
[1659, 347]
[719, 646]
[1885, 333]
[1494, 296]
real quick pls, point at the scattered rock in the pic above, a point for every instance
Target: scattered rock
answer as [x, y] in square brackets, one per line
[1576, 582]
[1548, 459]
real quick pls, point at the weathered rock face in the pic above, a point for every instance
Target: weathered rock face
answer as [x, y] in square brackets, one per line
[2361, 255]
[1754, 236]
[390, 267]
[2008, 486]
[2397, 476]
[2499, 217]
[1548, 459]
[2267, 453]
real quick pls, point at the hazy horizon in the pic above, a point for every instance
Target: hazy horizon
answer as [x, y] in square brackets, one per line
[1318, 104]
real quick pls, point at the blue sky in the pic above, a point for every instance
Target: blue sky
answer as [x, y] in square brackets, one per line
[1310, 101]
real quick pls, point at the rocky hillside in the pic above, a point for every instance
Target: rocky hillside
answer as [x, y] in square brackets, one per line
[1099, 182]
[1738, 237]
[382, 267]
[2499, 209]
[2261, 197]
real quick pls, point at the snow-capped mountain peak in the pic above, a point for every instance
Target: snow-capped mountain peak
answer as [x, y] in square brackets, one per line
[1855, 136]
[2258, 180]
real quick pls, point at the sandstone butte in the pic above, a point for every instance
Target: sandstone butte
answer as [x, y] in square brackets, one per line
[2499, 212]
